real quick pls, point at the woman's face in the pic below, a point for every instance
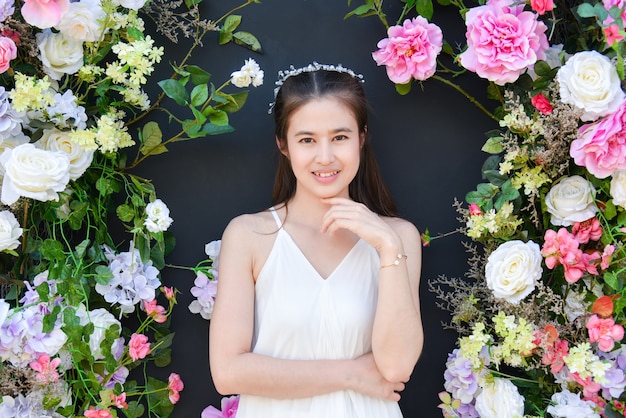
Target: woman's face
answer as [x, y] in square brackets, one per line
[323, 146]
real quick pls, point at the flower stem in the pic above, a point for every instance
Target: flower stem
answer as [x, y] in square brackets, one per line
[466, 94]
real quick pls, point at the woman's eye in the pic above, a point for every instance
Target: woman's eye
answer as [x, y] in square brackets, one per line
[340, 137]
[306, 140]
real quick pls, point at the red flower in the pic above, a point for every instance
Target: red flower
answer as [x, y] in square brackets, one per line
[542, 104]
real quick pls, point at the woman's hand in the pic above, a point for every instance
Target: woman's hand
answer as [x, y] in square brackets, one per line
[370, 382]
[357, 218]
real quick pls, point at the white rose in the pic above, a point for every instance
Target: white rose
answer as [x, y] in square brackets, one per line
[500, 400]
[569, 405]
[102, 320]
[571, 200]
[130, 4]
[618, 188]
[59, 54]
[33, 172]
[56, 140]
[513, 269]
[83, 21]
[241, 79]
[10, 231]
[158, 219]
[589, 81]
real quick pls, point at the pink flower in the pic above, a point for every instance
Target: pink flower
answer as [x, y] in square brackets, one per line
[606, 256]
[562, 248]
[601, 146]
[410, 51]
[620, 4]
[603, 306]
[175, 385]
[8, 52]
[46, 369]
[590, 388]
[503, 40]
[119, 400]
[229, 408]
[170, 293]
[587, 230]
[612, 34]
[474, 210]
[542, 104]
[44, 13]
[155, 311]
[554, 348]
[542, 6]
[138, 347]
[605, 332]
[92, 412]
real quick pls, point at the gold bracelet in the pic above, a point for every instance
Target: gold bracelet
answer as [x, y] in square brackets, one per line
[399, 257]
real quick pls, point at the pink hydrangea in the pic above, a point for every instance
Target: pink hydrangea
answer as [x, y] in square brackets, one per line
[410, 50]
[44, 13]
[601, 146]
[587, 230]
[8, 52]
[503, 40]
[562, 248]
[604, 331]
[92, 412]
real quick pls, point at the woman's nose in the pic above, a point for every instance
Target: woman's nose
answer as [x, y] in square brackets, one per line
[325, 153]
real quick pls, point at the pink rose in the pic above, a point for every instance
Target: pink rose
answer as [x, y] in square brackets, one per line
[44, 13]
[410, 51]
[605, 332]
[502, 41]
[542, 104]
[601, 146]
[138, 347]
[542, 6]
[175, 385]
[8, 52]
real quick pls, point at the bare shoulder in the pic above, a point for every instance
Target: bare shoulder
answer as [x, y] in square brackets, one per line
[251, 224]
[407, 231]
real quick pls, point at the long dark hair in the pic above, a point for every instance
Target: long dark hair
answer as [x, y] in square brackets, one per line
[368, 186]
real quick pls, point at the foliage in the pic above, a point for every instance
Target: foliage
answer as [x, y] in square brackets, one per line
[82, 238]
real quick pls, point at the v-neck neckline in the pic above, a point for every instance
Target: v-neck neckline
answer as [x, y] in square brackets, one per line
[311, 266]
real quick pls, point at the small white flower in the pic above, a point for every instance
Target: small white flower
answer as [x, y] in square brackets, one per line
[102, 319]
[571, 200]
[130, 4]
[513, 269]
[589, 81]
[250, 73]
[569, 405]
[158, 219]
[10, 231]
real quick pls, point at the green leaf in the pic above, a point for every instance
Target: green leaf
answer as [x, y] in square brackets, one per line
[403, 89]
[219, 118]
[231, 23]
[211, 129]
[360, 11]
[495, 178]
[198, 75]
[424, 8]
[103, 275]
[199, 95]
[134, 33]
[175, 90]
[136, 409]
[493, 145]
[234, 101]
[50, 320]
[152, 138]
[585, 10]
[125, 212]
[542, 68]
[612, 279]
[610, 211]
[163, 358]
[52, 250]
[225, 37]
[248, 40]
[81, 249]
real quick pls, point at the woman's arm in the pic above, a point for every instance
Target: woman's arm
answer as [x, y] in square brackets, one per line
[397, 337]
[235, 369]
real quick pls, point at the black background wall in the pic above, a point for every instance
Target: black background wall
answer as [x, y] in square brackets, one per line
[427, 143]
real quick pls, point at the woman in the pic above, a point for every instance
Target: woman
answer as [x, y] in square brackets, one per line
[318, 307]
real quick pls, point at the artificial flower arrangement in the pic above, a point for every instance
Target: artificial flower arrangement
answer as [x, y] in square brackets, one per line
[81, 307]
[541, 313]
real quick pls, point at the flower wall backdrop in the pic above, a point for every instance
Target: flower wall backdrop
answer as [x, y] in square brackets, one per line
[83, 239]
[540, 315]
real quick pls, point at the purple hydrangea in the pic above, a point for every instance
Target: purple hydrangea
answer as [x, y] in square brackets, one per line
[10, 122]
[460, 379]
[132, 282]
[7, 8]
[204, 290]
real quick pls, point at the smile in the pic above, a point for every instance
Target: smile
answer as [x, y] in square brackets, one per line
[326, 174]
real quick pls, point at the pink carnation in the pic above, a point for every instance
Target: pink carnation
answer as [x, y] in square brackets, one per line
[8, 52]
[44, 13]
[601, 146]
[605, 332]
[410, 51]
[503, 41]
[138, 347]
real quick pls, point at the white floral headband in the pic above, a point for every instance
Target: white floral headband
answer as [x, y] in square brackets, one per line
[314, 66]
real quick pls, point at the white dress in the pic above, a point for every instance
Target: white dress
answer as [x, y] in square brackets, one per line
[300, 315]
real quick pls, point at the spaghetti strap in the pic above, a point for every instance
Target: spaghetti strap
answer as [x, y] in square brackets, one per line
[276, 217]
